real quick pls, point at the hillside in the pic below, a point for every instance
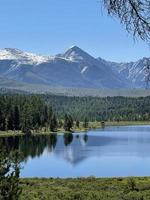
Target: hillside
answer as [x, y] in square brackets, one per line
[73, 69]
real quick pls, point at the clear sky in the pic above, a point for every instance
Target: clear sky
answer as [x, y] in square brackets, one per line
[52, 26]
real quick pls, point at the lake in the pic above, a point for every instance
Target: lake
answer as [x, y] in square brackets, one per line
[108, 152]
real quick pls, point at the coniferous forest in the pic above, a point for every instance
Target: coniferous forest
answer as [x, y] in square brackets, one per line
[101, 109]
[19, 112]
[33, 112]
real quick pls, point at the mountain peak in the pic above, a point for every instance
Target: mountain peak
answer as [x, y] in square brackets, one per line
[74, 47]
[75, 53]
[13, 50]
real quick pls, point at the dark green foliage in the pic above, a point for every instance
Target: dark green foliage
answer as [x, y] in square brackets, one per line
[84, 189]
[24, 112]
[131, 184]
[131, 191]
[53, 123]
[16, 118]
[52, 141]
[10, 120]
[68, 122]
[33, 112]
[101, 109]
[85, 123]
[68, 138]
[29, 145]
[60, 123]
[77, 123]
[9, 175]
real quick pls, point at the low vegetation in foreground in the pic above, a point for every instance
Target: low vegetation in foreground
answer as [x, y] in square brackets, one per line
[86, 189]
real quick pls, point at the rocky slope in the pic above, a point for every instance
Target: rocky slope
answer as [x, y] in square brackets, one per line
[74, 68]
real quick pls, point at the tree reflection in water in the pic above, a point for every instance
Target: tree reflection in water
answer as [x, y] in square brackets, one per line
[68, 138]
[34, 146]
[30, 145]
[85, 138]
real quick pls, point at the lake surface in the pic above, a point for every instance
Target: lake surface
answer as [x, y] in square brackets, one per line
[109, 152]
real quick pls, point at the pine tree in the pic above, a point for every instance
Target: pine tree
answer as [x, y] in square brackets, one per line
[27, 123]
[11, 120]
[9, 175]
[68, 122]
[60, 124]
[53, 123]
[45, 113]
[77, 123]
[16, 118]
[85, 123]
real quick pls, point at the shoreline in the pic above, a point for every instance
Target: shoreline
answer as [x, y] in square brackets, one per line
[92, 125]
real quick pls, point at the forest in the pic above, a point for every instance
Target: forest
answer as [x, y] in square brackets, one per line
[33, 112]
[101, 109]
[29, 113]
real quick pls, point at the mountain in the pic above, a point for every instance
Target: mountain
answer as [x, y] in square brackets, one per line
[132, 72]
[73, 69]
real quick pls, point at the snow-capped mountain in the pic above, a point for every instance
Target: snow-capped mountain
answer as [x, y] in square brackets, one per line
[74, 68]
[132, 72]
[22, 57]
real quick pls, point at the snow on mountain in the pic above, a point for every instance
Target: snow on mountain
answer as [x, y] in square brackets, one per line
[76, 54]
[74, 68]
[84, 69]
[22, 57]
[133, 72]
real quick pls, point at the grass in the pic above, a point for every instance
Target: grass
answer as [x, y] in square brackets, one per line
[10, 133]
[92, 125]
[86, 189]
[127, 123]
[120, 123]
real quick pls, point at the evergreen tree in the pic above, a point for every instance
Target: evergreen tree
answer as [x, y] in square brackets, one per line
[45, 116]
[60, 124]
[68, 122]
[11, 120]
[77, 123]
[16, 118]
[9, 176]
[53, 123]
[85, 123]
[26, 119]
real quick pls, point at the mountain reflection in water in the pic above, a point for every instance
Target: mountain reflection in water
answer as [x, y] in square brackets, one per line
[114, 151]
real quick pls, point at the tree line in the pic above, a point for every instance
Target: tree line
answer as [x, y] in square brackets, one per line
[29, 113]
[101, 109]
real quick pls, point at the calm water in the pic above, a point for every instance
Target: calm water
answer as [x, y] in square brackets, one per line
[114, 151]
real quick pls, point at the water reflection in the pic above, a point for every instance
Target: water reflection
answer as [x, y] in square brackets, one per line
[85, 138]
[34, 146]
[30, 145]
[109, 152]
[68, 138]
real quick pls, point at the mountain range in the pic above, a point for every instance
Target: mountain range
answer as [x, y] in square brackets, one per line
[73, 69]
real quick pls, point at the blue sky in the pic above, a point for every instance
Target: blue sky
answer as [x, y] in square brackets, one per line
[52, 26]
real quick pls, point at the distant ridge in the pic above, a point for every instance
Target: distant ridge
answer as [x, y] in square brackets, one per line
[74, 68]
